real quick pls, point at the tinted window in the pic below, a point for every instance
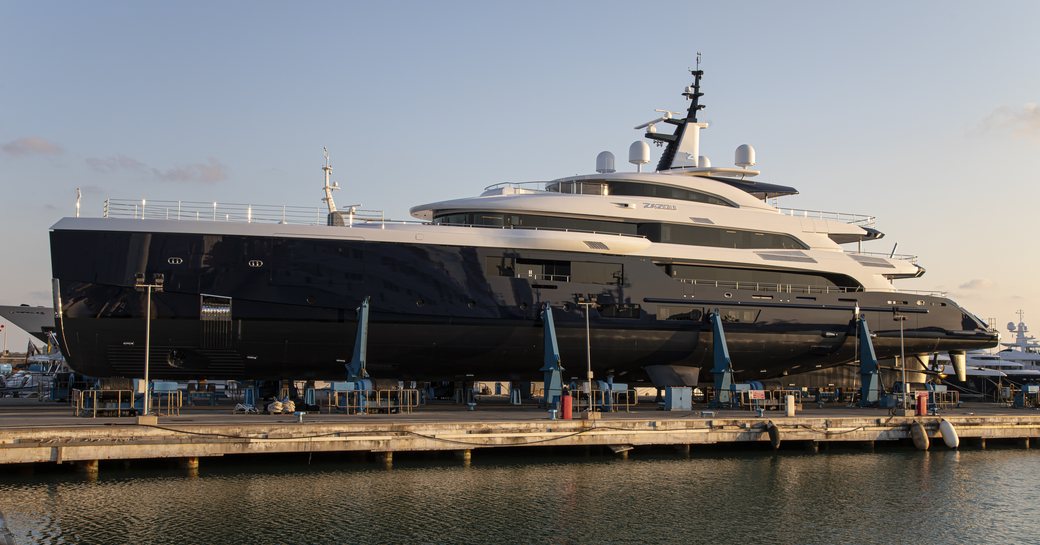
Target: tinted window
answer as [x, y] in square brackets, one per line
[766, 279]
[717, 237]
[635, 189]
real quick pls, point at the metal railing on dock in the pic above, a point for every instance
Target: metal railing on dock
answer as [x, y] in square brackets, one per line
[167, 403]
[769, 400]
[103, 402]
[373, 401]
[94, 403]
[618, 400]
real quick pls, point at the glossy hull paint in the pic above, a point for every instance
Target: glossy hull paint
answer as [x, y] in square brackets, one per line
[439, 312]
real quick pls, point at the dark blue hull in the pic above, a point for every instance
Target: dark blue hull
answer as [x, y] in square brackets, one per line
[268, 307]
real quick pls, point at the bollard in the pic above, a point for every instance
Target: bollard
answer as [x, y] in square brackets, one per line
[790, 405]
[552, 414]
[567, 408]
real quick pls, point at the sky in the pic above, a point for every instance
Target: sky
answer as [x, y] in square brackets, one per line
[923, 114]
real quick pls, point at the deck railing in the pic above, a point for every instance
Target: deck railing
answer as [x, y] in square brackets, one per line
[229, 212]
[901, 257]
[862, 220]
[769, 286]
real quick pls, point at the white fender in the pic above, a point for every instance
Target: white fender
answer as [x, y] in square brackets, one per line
[949, 434]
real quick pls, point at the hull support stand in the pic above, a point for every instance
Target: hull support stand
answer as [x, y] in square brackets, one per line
[551, 368]
[722, 367]
[870, 378]
[357, 373]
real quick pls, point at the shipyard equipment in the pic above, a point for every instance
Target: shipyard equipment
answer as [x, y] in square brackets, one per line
[551, 368]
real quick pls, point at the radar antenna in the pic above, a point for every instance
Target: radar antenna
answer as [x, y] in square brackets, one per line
[329, 188]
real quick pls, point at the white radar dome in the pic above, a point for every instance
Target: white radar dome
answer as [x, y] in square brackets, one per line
[639, 153]
[745, 156]
[1011, 327]
[605, 162]
[703, 162]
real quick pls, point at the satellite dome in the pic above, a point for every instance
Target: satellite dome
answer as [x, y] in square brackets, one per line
[639, 153]
[745, 156]
[605, 162]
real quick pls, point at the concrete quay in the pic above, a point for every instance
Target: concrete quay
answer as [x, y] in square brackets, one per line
[32, 432]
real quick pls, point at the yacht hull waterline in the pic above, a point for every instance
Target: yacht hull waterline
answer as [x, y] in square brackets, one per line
[437, 311]
[639, 260]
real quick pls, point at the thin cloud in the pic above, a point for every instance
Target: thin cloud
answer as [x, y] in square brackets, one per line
[112, 164]
[31, 145]
[977, 284]
[212, 171]
[1023, 122]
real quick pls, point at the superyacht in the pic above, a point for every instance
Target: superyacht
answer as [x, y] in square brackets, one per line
[641, 257]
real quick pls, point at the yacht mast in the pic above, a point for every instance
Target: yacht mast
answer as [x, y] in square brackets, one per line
[329, 188]
[683, 146]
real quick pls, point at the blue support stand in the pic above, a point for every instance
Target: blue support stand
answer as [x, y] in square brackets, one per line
[722, 367]
[870, 379]
[356, 370]
[249, 395]
[551, 367]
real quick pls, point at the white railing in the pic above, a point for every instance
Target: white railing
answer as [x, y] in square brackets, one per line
[769, 286]
[529, 186]
[228, 212]
[933, 293]
[844, 217]
[900, 257]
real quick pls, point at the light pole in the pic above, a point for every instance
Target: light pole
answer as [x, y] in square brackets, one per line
[902, 355]
[588, 348]
[141, 285]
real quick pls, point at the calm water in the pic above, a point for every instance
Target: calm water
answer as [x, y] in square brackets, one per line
[892, 496]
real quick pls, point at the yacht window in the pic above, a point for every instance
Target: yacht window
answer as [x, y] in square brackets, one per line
[585, 272]
[738, 316]
[696, 235]
[538, 269]
[758, 279]
[492, 219]
[579, 187]
[668, 312]
[619, 310]
[597, 273]
[634, 189]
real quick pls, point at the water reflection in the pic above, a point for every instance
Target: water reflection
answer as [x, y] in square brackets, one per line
[892, 496]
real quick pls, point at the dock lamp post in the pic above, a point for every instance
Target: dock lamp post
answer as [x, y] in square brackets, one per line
[588, 348]
[140, 284]
[902, 355]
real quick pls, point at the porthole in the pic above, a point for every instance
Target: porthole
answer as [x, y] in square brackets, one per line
[727, 295]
